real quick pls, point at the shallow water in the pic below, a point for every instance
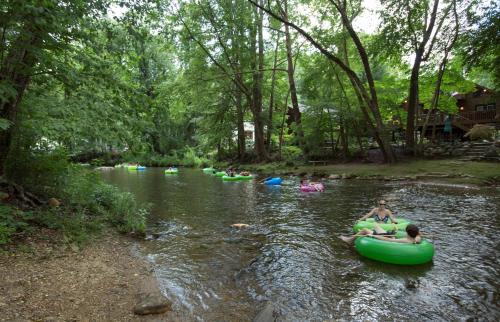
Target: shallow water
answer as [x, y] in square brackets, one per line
[291, 256]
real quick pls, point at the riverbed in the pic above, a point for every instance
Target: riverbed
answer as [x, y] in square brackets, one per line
[291, 258]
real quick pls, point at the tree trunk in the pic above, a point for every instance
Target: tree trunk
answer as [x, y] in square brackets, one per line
[240, 122]
[271, 97]
[358, 136]
[282, 129]
[260, 147]
[435, 97]
[412, 104]
[415, 71]
[370, 99]
[291, 80]
[16, 71]
[332, 141]
[343, 138]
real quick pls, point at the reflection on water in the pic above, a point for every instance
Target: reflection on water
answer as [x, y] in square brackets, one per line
[291, 256]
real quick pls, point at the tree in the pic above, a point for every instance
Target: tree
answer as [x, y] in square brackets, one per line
[367, 96]
[414, 27]
[34, 33]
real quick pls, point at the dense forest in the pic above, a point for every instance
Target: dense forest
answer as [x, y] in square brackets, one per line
[163, 82]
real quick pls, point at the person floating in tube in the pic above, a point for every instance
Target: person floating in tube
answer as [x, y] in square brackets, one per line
[380, 214]
[412, 235]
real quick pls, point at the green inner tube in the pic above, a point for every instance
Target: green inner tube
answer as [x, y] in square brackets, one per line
[370, 223]
[171, 171]
[228, 178]
[220, 174]
[245, 177]
[395, 253]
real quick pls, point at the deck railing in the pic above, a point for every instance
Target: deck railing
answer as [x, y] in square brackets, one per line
[466, 118]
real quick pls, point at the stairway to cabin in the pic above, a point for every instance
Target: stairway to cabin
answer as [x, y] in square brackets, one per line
[477, 151]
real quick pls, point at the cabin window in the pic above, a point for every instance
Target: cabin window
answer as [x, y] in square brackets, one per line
[491, 107]
[480, 108]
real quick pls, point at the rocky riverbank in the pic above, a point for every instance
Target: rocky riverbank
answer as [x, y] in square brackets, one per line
[43, 280]
[446, 171]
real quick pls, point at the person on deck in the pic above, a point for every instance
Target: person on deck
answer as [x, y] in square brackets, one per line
[412, 235]
[380, 214]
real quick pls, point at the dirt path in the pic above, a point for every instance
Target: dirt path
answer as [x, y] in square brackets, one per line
[102, 282]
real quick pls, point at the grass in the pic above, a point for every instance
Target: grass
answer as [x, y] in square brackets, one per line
[470, 172]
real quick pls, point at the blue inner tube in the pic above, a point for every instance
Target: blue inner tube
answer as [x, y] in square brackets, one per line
[273, 181]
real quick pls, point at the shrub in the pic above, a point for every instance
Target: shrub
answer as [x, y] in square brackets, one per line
[87, 203]
[11, 221]
[190, 159]
[291, 154]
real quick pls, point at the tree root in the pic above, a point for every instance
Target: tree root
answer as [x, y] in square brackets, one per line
[18, 196]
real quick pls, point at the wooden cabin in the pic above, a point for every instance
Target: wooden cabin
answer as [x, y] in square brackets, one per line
[478, 107]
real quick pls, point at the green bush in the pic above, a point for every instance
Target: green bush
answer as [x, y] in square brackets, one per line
[11, 221]
[42, 173]
[87, 203]
[191, 159]
[291, 154]
[120, 209]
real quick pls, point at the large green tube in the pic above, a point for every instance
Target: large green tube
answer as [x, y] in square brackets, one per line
[395, 253]
[228, 178]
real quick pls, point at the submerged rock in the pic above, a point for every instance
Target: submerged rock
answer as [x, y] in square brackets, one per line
[267, 314]
[152, 304]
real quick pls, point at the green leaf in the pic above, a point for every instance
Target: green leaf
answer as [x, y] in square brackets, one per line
[4, 124]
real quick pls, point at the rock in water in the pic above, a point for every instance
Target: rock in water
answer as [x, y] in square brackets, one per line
[152, 304]
[266, 315]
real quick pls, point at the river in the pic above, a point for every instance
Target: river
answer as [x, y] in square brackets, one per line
[291, 258]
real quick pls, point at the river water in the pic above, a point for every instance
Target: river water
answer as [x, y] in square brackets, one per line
[291, 257]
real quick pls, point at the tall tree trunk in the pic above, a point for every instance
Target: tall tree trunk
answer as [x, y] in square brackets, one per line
[435, 97]
[16, 70]
[441, 70]
[343, 137]
[412, 104]
[240, 122]
[291, 81]
[271, 97]
[258, 58]
[332, 141]
[413, 100]
[358, 137]
[282, 128]
[377, 129]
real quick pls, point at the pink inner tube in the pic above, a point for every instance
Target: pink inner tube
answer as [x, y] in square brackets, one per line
[312, 188]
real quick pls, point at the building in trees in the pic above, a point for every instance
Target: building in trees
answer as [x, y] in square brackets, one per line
[480, 106]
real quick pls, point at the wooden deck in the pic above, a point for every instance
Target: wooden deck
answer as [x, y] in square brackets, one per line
[464, 120]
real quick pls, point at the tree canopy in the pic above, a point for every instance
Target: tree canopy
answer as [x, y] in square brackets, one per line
[161, 79]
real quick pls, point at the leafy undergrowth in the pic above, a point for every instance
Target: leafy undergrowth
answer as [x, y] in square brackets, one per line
[82, 205]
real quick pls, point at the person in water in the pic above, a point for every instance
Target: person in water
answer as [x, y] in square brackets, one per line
[315, 185]
[244, 173]
[412, 235]
[230, 172]
[240, 226]
[380, 214]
